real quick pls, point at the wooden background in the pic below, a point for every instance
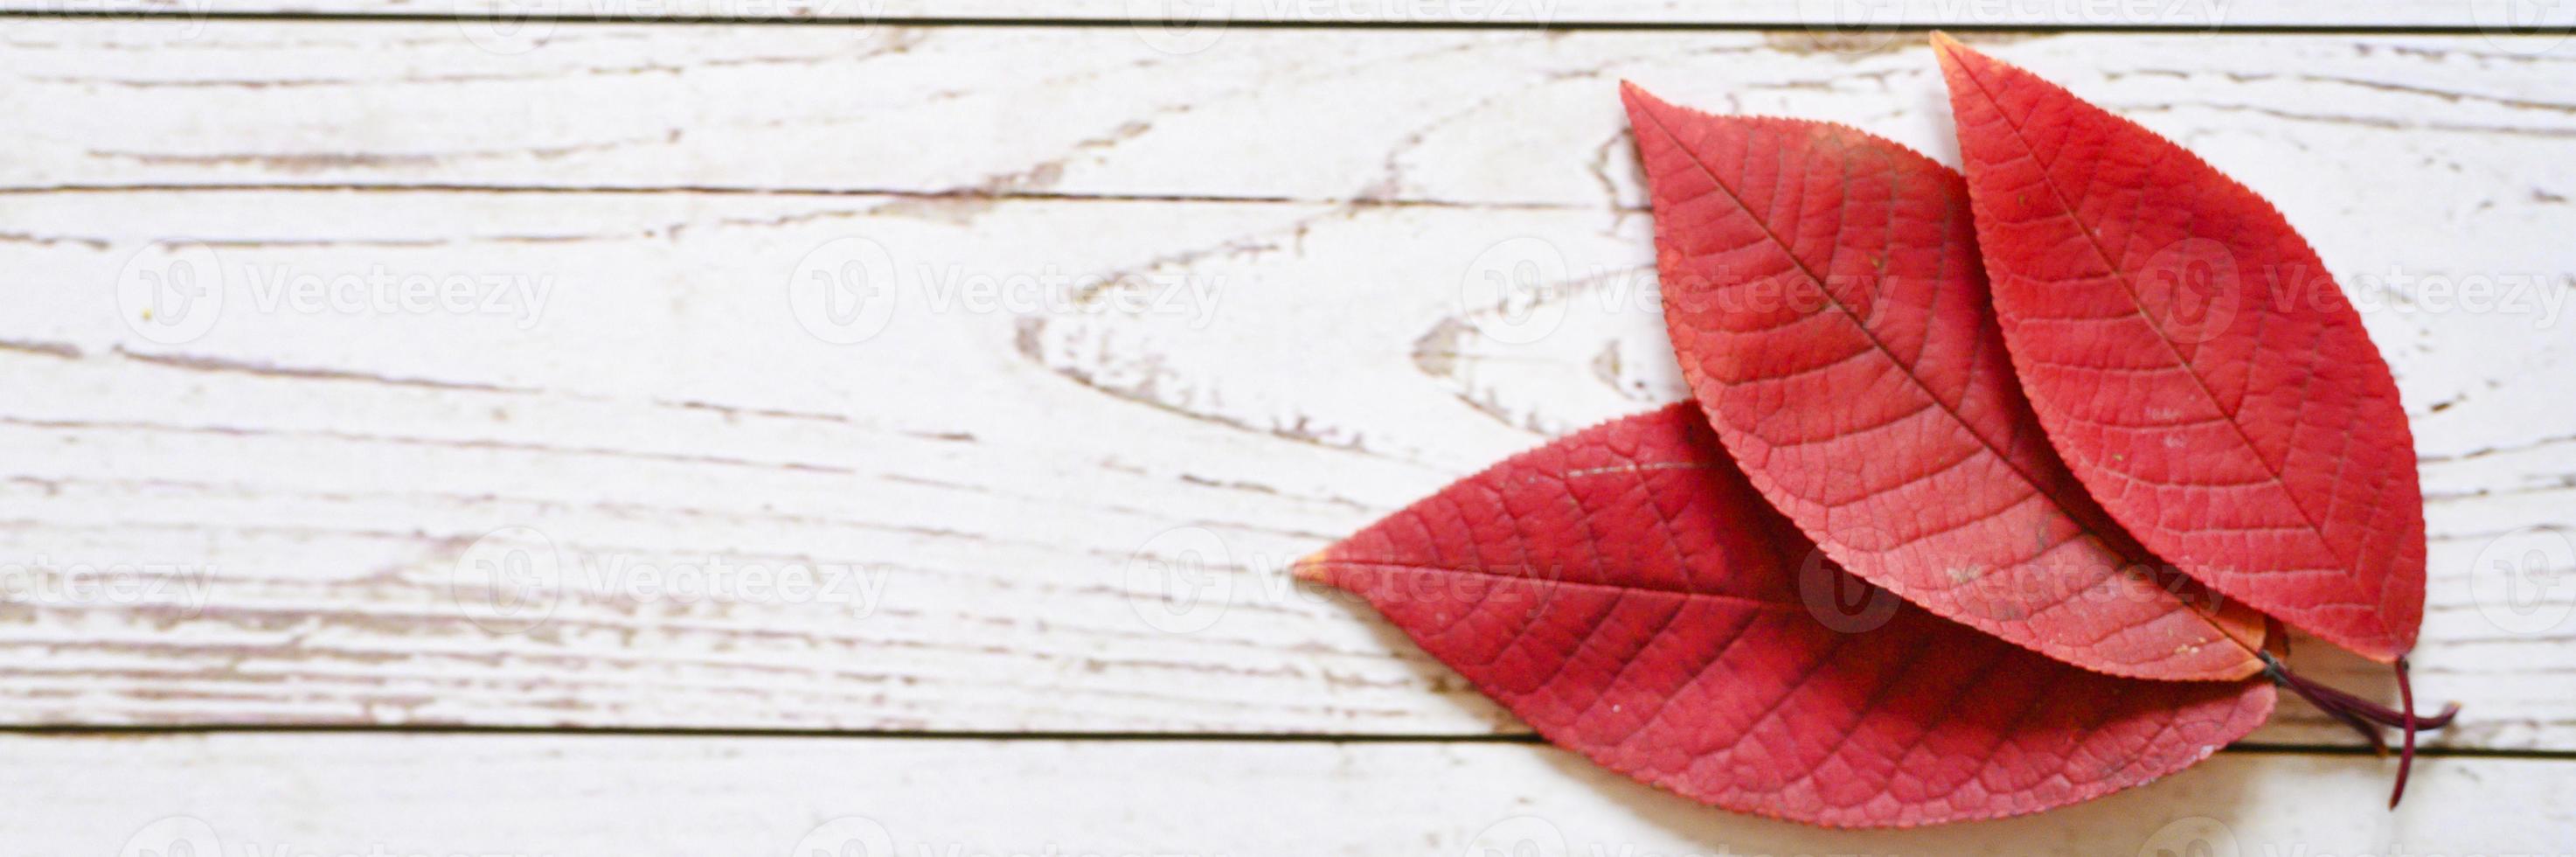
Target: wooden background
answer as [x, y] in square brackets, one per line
[729, 426]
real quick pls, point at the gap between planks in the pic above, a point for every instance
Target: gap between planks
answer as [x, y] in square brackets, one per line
[1526, 738]
[961, 194]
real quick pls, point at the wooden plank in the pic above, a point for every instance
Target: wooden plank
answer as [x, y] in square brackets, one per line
[1000, 481]
[1005, 488]
[1866, 17]
[1422, 116]
[545, 794]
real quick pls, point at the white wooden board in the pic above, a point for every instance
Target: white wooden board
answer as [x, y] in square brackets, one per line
[2347, 132]
[1830, 16]
[1030, 502]
[560, 795]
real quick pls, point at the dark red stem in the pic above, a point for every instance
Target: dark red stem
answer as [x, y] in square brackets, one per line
[2406, 757]
[2365, 716]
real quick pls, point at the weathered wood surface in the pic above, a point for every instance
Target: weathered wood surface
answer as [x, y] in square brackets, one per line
[1000, 481]
[1844, 16]
[1430, 116]
[539, 795]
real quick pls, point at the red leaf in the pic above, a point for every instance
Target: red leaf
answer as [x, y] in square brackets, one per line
[2193, 361]
[1822, 288]
[1626, 593]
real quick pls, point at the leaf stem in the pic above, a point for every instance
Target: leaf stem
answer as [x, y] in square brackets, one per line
[2365, 716]
[2406, 757]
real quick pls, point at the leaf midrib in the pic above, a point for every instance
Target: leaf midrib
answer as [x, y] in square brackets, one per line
[2120, 274]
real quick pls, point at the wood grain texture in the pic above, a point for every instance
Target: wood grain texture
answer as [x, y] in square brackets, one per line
[551, 794]
[1241, 308]
[1439, 116]
[1842, 16]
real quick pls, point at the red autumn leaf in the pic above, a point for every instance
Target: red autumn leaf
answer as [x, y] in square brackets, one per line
[1627, 594]
[1822, 289]
[2193, 361]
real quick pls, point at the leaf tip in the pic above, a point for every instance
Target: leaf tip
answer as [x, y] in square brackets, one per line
[1952, 54]
[1637, 99]
[1313, 567]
